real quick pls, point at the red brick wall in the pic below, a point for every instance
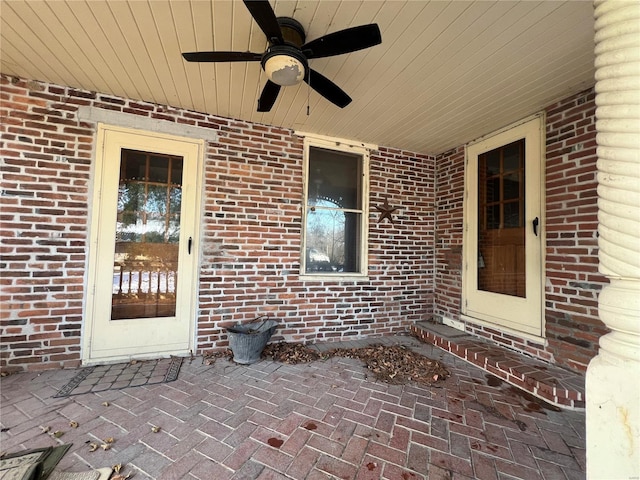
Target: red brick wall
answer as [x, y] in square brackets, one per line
[572, 281]
[250, 231]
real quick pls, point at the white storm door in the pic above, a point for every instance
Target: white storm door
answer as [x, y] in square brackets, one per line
[143, 259]
[502, 283]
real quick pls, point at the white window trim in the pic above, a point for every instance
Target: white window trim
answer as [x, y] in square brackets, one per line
[347, 146]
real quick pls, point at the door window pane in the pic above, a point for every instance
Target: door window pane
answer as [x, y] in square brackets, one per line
[147, 236]
[501, 234]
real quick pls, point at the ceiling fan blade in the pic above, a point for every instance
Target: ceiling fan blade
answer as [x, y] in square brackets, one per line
[344, 41]
[268, 96]
[221, 56]
[328, 89]
[265, 17]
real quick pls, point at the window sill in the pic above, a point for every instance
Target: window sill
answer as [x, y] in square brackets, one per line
[355, 277]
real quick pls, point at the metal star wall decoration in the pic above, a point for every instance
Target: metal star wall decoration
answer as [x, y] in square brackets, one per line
[386, 211]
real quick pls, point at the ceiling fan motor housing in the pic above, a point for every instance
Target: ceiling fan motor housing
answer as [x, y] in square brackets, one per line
[284, 63]
[292, 31]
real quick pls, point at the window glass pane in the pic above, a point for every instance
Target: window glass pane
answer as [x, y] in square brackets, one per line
[501, 235]
[493, 190]
[493, 217]
[511, 186]
[493, 162]
[512, 156]
[159, 169]
[512, 215]
[133, 166]
[147, 235]
[332, 242]
[334, 177]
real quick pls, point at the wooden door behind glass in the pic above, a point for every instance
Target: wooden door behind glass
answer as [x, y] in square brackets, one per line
[145, 267]
[501, 229]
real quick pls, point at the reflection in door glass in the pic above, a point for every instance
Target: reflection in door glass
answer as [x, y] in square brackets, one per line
[501, 234]
[145, 268]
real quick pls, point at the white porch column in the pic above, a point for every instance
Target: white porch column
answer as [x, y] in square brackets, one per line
[613, 377]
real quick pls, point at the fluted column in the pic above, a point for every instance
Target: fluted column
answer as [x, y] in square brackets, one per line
[613, 377]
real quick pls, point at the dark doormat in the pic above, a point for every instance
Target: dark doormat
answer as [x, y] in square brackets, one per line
[39, 464]
[31, 464]
[136, 373]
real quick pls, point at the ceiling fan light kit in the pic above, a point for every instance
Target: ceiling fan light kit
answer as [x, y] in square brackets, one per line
[286, 61]
[285, 65]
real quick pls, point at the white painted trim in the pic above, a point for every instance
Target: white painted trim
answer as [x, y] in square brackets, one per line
[540, 115]
[334, 142]
[130, 120]
[450, 322]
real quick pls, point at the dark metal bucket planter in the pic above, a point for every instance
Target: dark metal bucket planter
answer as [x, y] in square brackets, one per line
[247, 341]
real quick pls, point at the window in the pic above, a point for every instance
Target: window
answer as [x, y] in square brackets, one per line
[335, 215]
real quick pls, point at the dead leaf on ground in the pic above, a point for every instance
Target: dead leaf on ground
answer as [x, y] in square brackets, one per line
[291, 353]
[122, 477]
[396, 364]
[209, 358]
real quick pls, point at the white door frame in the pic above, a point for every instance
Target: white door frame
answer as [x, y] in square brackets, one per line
[524, 316]
[114, 138]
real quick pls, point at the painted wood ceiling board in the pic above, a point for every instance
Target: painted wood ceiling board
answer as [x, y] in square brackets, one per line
[223, 18]
[18, 58]
[405, 58]
[42, 42]
[90, 39]
[502, 111]
[242, 89]
[325, 114]
[184, 20]
[170, 18]
[116, 49]
[139, 50]
[66, 48]
[525, 67]
[442, 72]
[470, 85]
[202, 85]
[152, 48]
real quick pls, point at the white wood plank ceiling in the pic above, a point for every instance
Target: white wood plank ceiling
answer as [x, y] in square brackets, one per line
[445, 73]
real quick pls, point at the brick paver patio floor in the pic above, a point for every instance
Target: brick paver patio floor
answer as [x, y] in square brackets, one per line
[323, 420]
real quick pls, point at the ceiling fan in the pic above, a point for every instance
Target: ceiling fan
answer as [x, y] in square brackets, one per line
[286, 60]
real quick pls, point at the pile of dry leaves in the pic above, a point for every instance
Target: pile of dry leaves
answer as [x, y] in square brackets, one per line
[396, 364]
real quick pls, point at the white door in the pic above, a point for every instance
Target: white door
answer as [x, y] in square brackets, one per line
[502, 276]
[143, 257]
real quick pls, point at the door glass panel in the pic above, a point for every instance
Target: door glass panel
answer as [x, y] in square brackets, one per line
[147, 234]
[501, 234]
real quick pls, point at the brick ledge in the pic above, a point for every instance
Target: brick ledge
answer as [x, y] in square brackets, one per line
[552, 384]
